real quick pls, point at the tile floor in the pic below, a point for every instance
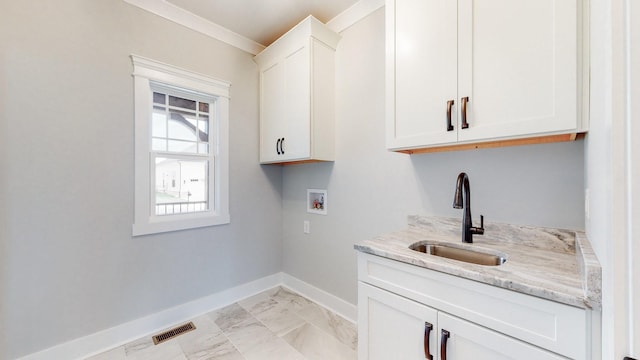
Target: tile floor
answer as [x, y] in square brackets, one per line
[275, 324]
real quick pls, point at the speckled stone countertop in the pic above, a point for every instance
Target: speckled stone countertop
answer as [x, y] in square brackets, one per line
[553, 264]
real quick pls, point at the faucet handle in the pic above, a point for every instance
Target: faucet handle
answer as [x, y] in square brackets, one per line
[478, 230]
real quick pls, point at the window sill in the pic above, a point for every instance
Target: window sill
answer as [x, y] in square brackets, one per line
[175, 224]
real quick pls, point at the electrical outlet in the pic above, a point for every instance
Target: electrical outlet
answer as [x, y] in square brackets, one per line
[307, 227]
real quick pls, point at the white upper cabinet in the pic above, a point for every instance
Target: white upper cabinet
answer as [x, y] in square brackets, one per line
[476, 71]
[297, 95]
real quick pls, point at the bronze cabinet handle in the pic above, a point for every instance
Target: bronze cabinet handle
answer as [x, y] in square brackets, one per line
[464, 101]
[427, 331]
[280, 146]
[443, 344]
[449, 106]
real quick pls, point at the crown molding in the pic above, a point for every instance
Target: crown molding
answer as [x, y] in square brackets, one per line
[192, 21]
[355, 13]
[162, 8]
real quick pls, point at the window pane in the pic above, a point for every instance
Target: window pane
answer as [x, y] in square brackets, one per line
[203, 128]
[182, 146]
[182, 126]
[159, 98]
[204, 107]
[181, 102]
[158, 144]
[159, 123]
[181, 186]
[203, 148]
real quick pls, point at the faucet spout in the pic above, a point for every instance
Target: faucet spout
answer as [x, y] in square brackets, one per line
[460, 202]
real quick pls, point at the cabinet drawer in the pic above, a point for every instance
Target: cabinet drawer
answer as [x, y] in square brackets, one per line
[557, 327]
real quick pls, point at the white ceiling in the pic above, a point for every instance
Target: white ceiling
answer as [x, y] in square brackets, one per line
[262, 21]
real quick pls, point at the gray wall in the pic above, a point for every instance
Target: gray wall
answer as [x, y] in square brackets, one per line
[371, 190]
[68, 263]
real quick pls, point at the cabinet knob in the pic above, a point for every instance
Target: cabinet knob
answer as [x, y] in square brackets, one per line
[464, 102]
[449, 106]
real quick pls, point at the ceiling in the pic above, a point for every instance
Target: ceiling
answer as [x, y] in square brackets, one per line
[263, 21]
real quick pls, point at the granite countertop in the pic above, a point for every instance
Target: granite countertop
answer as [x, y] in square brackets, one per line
[553, 264]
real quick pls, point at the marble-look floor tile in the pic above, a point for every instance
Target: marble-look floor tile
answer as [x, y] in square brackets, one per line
[144, 349]
[204, 324]
[138, 345]
[229, 316]
[280, 319]
[275, 324]
[258, 305]
[332, 323]
[315, 344]
[113, 354]
[274, 349]
[260, 301]
[209, 346]
[290, 299]
[248, 335]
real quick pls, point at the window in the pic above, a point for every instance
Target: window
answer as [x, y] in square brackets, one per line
[181, 149]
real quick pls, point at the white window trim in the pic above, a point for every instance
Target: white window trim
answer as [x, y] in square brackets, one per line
[146, 72]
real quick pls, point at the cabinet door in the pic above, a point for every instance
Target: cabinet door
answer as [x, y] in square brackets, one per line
[421, 72]
[272, 112]
[393, 327]
[297, 94]
[469, 341]
[517, 64]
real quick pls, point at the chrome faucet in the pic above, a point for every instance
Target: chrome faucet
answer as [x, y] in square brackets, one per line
[467, 228]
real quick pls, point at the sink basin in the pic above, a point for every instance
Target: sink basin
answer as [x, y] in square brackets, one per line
[459, 254]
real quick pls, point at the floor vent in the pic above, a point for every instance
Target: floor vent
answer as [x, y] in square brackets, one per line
[170, 334]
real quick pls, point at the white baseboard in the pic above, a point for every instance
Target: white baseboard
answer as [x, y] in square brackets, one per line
[121, 334]
[321, 297]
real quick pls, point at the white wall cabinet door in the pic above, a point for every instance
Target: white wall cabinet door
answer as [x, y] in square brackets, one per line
[272, 92]
[393, 327]
[421, 70]
[509, 69]
[297, 83]
[517, 65]
[297, 95]
[465, 340]
[285, 126]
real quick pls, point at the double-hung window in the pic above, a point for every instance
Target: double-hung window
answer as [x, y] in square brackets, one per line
[181, 149]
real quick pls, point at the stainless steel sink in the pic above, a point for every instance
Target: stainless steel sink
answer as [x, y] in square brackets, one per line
[459, 254]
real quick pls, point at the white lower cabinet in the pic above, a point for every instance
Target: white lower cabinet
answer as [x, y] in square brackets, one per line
[394, 327]
[399, 328]
[407, 312]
